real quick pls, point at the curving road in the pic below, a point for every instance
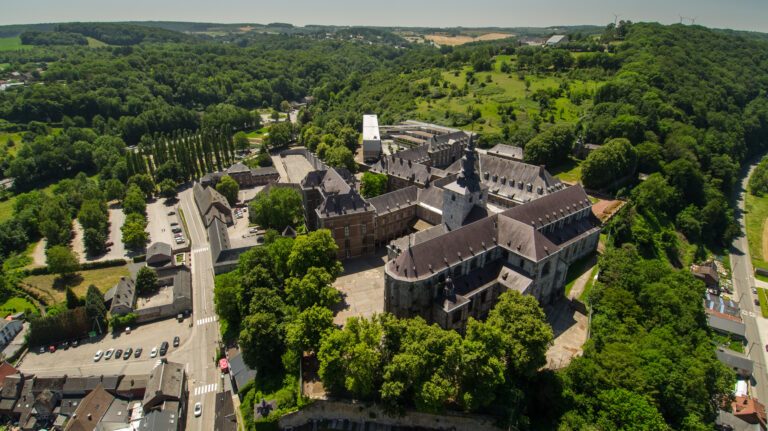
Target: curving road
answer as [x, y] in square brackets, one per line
[743, 280]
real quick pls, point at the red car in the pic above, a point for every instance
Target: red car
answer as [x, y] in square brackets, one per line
[51, 348]
[223, 365]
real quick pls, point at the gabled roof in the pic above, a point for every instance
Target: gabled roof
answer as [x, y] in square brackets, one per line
[406, 169]
[558, 204]
[512, 179]
[237, 168]
[394, 200]
[165, 382]
[90, 411]
[6, 370]
[340, 204]
[160, 249]
[504, 150]
[125, 293]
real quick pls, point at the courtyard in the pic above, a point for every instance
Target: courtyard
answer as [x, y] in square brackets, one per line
[362, 288]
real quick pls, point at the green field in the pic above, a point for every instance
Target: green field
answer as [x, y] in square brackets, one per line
[15, 305]
[95, 43]
[502, 89]
[6, 206]
[10, 43]
[11, 149]
[52, 289]
[756, 209]
[762, 294]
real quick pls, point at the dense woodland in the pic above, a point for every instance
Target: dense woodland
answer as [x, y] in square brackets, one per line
[684, 105]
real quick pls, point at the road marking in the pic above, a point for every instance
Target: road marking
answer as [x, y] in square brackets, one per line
[208, 319]
[200, 249]
[204, 389]
[748, 313]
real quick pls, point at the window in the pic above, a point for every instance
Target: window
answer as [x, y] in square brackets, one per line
[364, 229]
[484, 297]
[545, 271]
[346, 231]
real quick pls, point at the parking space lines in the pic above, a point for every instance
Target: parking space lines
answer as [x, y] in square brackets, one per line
[204, 389]
[208, 319]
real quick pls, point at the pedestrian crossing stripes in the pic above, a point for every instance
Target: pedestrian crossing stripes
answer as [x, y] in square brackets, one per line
[204, 389]
[199, 249]
[208, 319]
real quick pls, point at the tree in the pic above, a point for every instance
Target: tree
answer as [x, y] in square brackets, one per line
[307, 329]
[94, 241]
[373, 184]
[72, 300]
[135, 236]
[144, 182]
[340, 157]
[134, 201]
[758, 180]
[114, 189]
[95, 308]
[168, 189]
[280, 135]
[226, 295]
[146, 281]
[260, 341]
[56, 221]
[317, 249]
[61, 260]
[550, 147]
[314, 289]
[612, 162]
[229, 188]
[278, 208]
[241, 141]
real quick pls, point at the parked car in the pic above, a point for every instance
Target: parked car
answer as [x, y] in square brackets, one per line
[75, 343]
[42, 349]
[127, 353]
[64, 345]
[198, 409]
[51, 348]
[108, 353]
[153, 353]
[118, 353]
[97, 356]
[164, 348]
[754, 290]
[757, 302]
[137, 353]
[170, 213]
[253, 230]
[176, 341]
[176, 229]
[173, 223]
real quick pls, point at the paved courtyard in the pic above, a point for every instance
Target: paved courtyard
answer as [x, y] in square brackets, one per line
[292, 168]
[362, 288]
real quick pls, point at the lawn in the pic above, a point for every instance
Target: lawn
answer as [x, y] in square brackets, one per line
[52, 289]
[11, 43]
[577, 270]
[756, 214]
[568, 172]
[16, 304]
[6, 206]
[762, 294]
[95, 43]
[503, 89]
[15, 137]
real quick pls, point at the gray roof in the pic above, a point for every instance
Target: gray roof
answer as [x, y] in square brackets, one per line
[240, 371]
[726, 325]
[165, 380]
[238, 167]
[125, 293]
[225, 419]
[160, 250]
[206, 197]
[341, 204]
[734, 359]
[407, 169]
[514, 180]
[163, 420]
[394, 200]
[218, 238]
[418, 154]
[504, 150]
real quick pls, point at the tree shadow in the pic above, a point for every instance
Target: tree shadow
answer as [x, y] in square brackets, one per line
[62, 282]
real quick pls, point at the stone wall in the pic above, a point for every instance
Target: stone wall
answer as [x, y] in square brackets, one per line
[358, 413]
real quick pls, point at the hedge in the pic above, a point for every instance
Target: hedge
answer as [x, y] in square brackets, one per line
[43, 270]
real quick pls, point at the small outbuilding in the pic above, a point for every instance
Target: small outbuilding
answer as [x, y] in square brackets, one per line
[159, 254]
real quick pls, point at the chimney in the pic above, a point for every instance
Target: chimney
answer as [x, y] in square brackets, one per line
[89, 416]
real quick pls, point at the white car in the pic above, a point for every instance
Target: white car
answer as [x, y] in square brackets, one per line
[198, 409]
[153, 353]
[97, 356]
[108, 353]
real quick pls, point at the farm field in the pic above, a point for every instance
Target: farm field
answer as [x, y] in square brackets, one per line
[10, 43]
[493, 89]
[53, 290]
[462, 39]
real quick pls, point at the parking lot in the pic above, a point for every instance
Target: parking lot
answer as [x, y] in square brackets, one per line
[159, 223]
[79, 360]
[240, 234]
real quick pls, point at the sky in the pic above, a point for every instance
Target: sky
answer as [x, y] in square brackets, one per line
[735, 14]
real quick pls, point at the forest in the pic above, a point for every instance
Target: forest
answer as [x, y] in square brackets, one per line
[685, 106]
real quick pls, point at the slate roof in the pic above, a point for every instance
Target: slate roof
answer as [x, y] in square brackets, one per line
[406, 169]
[432, 196]
[734, 359]
[726, 325]
[125, 293]
[511, 179]
[225, 419]
[165, 380]
[418, 154]
[341, 204]
[163, 420]
[516, 229]
[160, 250]
[507, 151]
[239, 371]
[237, 168]
[394, 200]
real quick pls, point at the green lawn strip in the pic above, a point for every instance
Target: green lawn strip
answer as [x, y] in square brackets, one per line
[575, 271]
[16, 304]
[569, 172]
[756, 209]
[588, 287]
[763, 295]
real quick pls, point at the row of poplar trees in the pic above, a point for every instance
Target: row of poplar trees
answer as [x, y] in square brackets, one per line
[195, 153]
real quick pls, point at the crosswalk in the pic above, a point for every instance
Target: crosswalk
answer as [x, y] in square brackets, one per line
[748, 313]
[205, 320]
[201, 249]
[204, 389]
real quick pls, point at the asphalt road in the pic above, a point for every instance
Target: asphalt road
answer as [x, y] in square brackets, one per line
[204, 377]
[743, 280]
